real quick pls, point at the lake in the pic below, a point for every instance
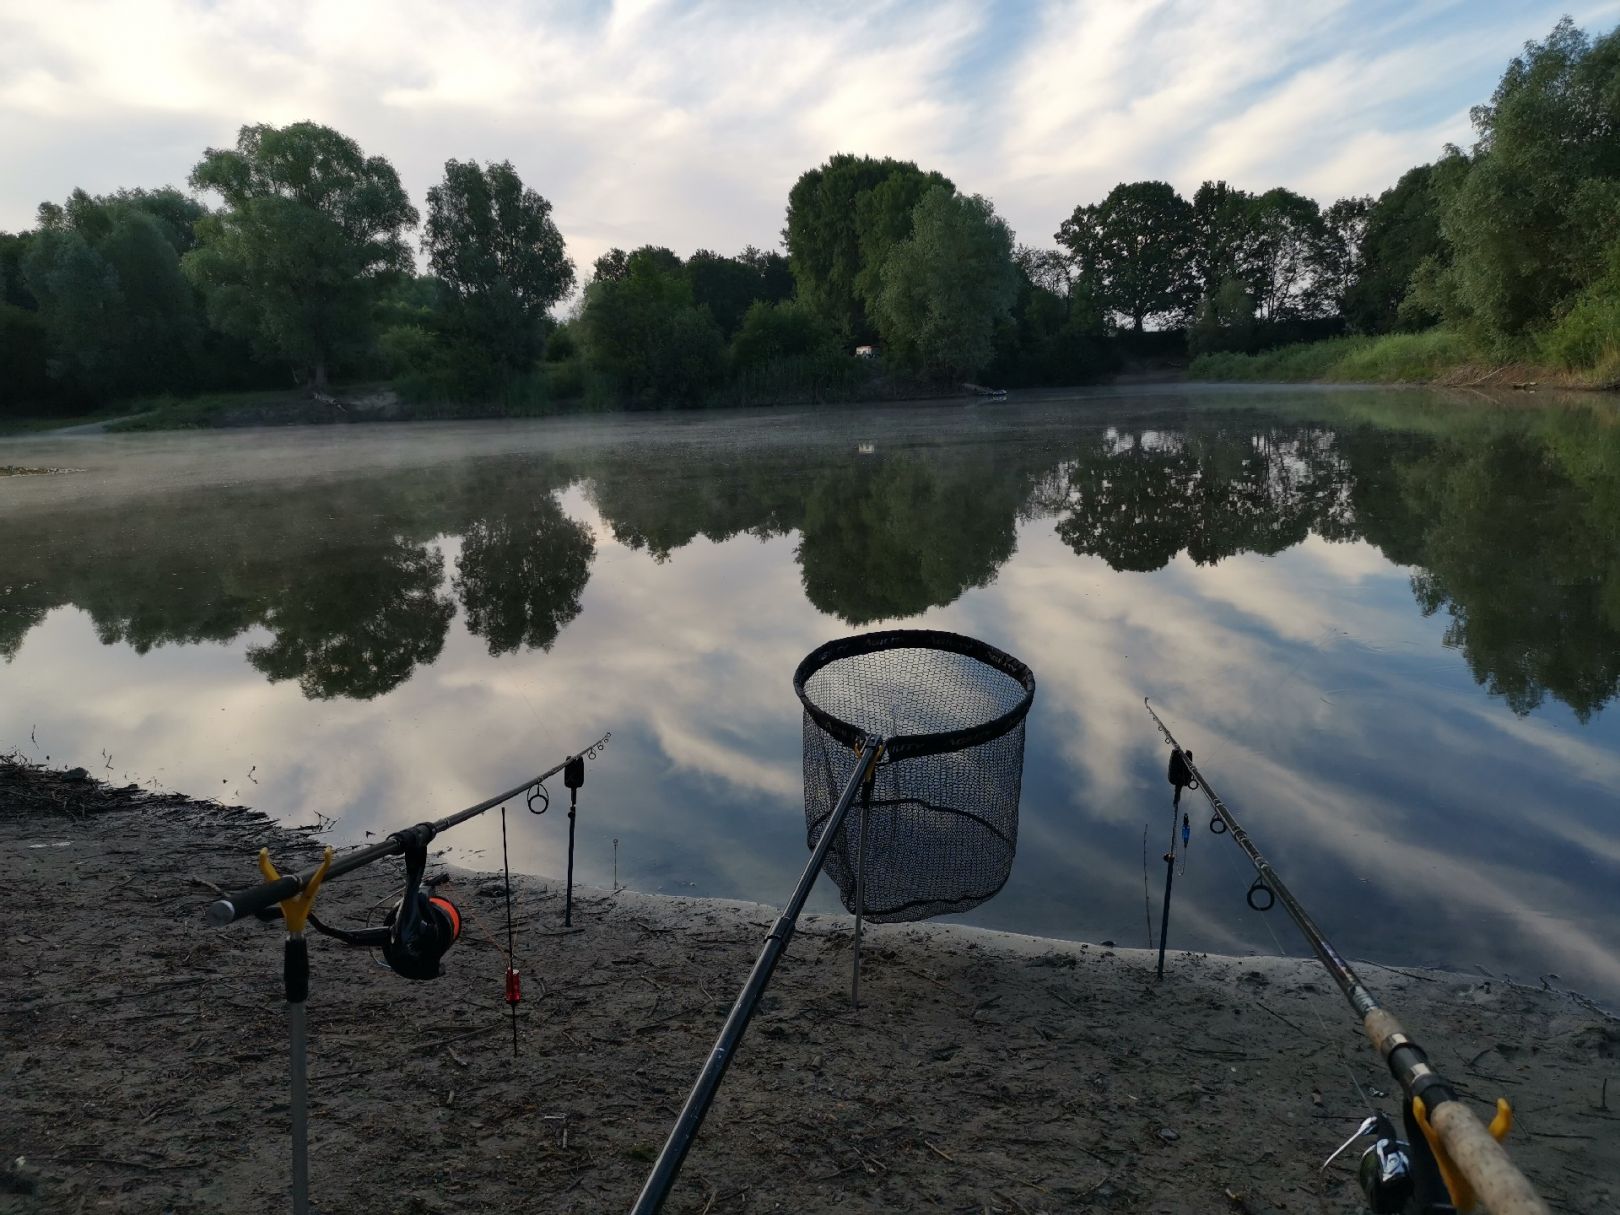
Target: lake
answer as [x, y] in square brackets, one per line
[1387, 622]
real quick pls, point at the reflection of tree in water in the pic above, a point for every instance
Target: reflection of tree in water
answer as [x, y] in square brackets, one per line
[361, 628]
[1509, 518]
[1137, 500]
[880, 537]
[889, 537]
[339, 574]
[660, 510]
[521, 573]
[18, 614]
[1526, 570]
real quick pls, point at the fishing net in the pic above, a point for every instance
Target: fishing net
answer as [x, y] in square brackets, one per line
[941, 812]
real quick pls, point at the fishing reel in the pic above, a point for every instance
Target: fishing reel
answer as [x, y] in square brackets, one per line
[1398, 1176]
[1385, 1170]
[418, 930]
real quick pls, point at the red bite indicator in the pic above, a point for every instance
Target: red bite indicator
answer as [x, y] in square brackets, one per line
[514, 986]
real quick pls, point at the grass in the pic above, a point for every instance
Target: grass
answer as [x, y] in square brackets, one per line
[206, 410]
[1392, 358]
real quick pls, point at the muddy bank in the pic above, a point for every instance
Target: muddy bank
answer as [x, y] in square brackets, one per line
[145, 1069]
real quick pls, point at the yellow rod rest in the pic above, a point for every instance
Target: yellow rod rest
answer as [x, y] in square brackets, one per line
[295, 910]
[1462, 1194]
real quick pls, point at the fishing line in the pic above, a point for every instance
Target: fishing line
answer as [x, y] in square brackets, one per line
[1147, 899]
[514, 985]
[1327, 1034]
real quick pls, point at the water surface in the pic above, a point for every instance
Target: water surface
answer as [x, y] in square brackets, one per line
[1387, 622]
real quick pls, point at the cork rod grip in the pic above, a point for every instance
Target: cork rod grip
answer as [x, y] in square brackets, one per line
[1477, 1157]
[1496, 1180]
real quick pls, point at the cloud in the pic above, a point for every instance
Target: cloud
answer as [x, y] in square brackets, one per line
[685, 124]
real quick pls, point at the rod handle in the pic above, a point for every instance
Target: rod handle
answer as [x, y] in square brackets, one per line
[239, 903]
[1483, 1162]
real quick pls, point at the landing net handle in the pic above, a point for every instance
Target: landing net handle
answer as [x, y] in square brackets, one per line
[1476, 1155]
[668, 1165]
[254, 899]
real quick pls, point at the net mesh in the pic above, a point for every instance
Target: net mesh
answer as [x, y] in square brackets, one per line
[941, 812]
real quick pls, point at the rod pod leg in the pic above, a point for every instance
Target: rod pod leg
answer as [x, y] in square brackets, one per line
[1164, 922]
[297, 965]
[295, 979]
[573, 778]
[568, 898]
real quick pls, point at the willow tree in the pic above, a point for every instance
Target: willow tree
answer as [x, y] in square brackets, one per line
[1532, 223]
[310, 228]
[843, 218]
[947, 285]
[493, 244]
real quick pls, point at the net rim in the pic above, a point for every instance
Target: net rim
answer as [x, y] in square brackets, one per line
[910, 746]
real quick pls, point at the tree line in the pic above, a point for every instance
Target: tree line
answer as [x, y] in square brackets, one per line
[304, 271]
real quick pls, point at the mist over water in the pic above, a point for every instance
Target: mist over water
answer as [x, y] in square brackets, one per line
[1387, 623]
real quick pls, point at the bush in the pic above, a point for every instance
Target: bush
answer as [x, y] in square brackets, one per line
[771, 333]
[566, 381]
[1587, 337]
[802, 379]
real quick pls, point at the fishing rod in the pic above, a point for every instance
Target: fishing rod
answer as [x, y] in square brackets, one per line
[668, 1165]
[253, 900]
[415, 934]
[1457, 1159]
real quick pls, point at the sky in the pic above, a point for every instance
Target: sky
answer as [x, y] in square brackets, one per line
[685, 122]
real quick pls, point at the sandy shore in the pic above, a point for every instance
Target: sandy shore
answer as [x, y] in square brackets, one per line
[145, 1063]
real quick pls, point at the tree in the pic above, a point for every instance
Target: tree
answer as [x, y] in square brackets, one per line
[842, 219]
[1290, 242]
[493, 244]
[1225, 320]
[1047, 269]
[1133, 248]
[311, 226]
[725, 286]
[946, 286]
[775, 275]
[643, 332]
[1533, 220]
[1402, 231]
[1340, 261]
[1056, 334]
[775, 332]
[14, 248]
[93, 216]
[105, 274]
[24, 359]
[611, 266]
[83, 312]
[1224, 236]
